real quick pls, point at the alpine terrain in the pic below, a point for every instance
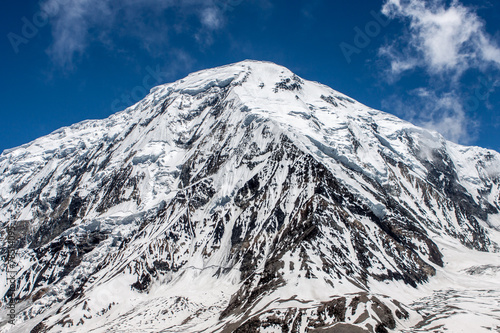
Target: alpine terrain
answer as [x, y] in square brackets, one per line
[247, 199]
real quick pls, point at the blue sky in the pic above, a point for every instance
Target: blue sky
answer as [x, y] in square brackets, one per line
[435, 63]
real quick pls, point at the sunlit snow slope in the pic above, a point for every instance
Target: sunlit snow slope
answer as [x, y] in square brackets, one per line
[246, 199]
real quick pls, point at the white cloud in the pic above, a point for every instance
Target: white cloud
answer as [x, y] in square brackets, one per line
[440, 38]
[211, 17]
[442, 112]
[445, 39]
[446, 115]
[78, 23]
[70, 24]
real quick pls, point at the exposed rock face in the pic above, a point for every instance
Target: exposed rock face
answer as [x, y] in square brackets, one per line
[240, 199]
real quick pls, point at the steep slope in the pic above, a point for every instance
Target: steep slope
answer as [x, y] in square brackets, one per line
[244, 198]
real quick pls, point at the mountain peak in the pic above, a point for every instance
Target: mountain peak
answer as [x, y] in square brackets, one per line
[258, 71]
[245, 198]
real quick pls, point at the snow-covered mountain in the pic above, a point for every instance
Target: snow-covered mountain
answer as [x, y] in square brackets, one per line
[247, 199]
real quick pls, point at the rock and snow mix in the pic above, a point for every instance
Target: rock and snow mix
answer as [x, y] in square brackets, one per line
[244, 198]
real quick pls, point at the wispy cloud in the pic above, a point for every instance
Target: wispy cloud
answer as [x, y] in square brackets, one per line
[211, 17]
[78, 23]
[441, 38]
[442, 112]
